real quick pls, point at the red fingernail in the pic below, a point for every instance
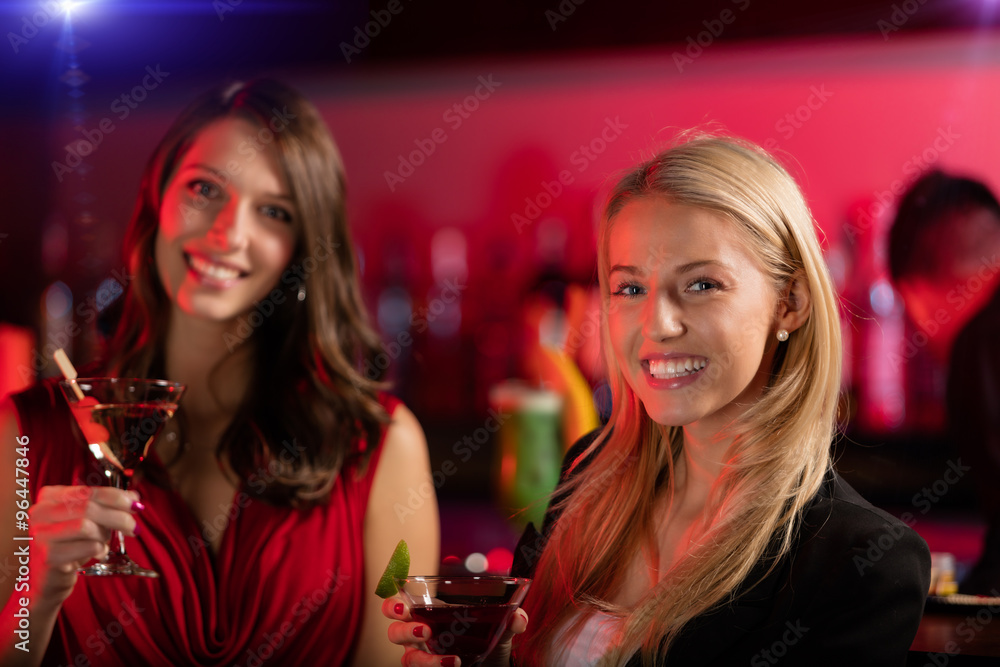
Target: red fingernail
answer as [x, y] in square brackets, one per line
[137, 529]
[448, 662]
[137, 506]
[398, 609]
[418, 632]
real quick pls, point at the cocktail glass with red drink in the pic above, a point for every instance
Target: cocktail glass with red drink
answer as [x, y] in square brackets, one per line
[120, 418]
[466, 615]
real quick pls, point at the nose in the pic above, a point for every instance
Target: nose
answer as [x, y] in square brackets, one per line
[229, 227]
[663, 318]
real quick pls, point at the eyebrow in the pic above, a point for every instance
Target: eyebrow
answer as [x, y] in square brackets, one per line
[691, 266]
[204, 167]
[222, 174]
[683, 268]
[625, 268]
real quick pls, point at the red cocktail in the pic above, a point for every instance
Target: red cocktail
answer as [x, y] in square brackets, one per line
[120, 418]
[466, 615]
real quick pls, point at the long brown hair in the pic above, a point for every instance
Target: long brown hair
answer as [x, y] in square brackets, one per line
[307, 395]
[774, 466]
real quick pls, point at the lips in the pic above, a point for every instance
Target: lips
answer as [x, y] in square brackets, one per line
[667, 369]
[213, 273]
[673, 371]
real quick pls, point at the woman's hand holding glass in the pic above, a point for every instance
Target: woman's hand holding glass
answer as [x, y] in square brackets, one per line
[413, 637]
[72, 525]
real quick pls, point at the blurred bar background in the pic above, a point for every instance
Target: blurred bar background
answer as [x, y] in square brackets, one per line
[477, 141]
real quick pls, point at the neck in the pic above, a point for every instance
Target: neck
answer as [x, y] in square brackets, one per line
[707, 441]
[197, 354]
[700, 466]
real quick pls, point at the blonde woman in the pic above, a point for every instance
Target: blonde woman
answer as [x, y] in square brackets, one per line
[704, 525]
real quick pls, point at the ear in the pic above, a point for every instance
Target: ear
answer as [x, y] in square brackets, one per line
[795, 304]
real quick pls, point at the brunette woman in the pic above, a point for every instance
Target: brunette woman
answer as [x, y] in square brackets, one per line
[267, 506]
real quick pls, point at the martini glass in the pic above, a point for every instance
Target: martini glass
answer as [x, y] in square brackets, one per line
[466, 615]
[119, 418]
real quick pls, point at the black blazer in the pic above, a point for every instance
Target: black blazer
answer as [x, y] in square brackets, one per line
[851, 591]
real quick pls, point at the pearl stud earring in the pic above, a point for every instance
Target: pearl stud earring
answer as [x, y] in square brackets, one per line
[782, 335]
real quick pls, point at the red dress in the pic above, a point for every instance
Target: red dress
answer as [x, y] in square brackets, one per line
[286, 588]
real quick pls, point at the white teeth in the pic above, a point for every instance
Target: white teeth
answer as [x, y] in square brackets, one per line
[211, 269]
[667, 369]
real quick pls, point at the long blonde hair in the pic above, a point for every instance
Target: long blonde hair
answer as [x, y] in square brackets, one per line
[775, 464]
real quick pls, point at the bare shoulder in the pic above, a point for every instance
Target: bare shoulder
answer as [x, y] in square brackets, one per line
[402, 502]
[401, 506]
[404, 440]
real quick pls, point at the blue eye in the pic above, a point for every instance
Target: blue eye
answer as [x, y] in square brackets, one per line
[627, 290]
[703, 285]
[276, 212]
[205, 189]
